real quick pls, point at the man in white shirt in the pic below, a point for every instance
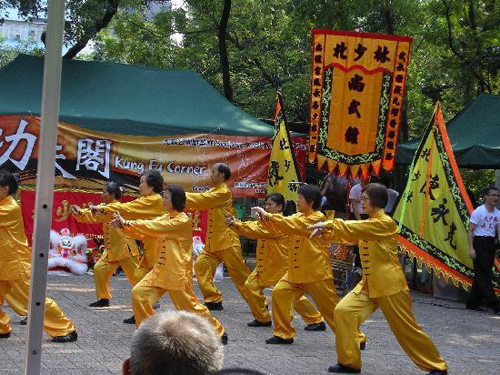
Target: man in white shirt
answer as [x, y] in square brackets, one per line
[484, 226]
[355, 198]
[393, 195]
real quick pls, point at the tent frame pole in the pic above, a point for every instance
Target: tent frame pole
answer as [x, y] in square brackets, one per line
[45, 184]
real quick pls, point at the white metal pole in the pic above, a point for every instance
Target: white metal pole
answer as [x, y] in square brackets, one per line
[45, 184]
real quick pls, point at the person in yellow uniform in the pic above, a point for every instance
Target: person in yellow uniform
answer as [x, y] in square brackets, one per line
[221, 243]
[120, 250]
[148, 206]
[383, 285]
[309, 265]
[15, 267]
[270, 266]
[173, 271]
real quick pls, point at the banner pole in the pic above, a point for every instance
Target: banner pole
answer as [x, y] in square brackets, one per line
[45, 184]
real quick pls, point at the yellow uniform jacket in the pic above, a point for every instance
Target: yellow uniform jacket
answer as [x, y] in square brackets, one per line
[118, 246]
[309, 260]
[173, 236]
[272, 250]
[219, 203]
[15, 254]
[148, 207]
[378, 250]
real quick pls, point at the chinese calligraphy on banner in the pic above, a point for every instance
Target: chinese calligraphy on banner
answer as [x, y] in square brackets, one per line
[86, 158]
[357, 90]
[433, 212]
[282, 175]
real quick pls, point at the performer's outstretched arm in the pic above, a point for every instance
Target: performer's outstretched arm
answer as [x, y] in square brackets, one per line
[339, 230]
[140, 208]
[209, 199]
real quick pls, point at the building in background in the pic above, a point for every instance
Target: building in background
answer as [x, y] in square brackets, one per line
[16, 32]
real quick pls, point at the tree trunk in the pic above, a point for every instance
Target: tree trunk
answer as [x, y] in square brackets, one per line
[111, 9]
[224, 60]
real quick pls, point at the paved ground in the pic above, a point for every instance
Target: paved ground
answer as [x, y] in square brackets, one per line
[469, 341]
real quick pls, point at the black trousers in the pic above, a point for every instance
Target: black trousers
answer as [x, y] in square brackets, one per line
[482, 287]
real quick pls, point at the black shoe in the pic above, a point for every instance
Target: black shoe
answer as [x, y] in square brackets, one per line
[224, 339]
[156, 305]
[73, 336]
[103, 302]
[4, 335]
[129, 320]
[362, 345]
[24, 322]
[436, 372]
[214, 306]
[258, 323]
[321, 326]
[341, 369]
[275, 340]
[475, 308]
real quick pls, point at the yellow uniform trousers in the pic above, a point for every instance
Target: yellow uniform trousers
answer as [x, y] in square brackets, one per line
[354, 309]
[55, 322]
[258, 303]
[286, 295]
[14, 303]
[104, 269]
[144, 296]
[140, 272]
[206, 265]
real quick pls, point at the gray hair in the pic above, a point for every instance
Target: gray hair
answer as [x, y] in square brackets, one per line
[176, 342]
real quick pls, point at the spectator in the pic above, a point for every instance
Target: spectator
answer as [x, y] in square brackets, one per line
[355, 199]
[334, 194]
[392, 194]
[174, 343]
[357, 214]
[483, 228]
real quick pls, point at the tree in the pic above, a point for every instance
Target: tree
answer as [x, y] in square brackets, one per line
[86, 18]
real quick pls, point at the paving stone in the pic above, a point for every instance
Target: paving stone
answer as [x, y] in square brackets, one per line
[469, 341]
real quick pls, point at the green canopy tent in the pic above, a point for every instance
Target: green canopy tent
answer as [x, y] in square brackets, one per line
[124, 99]
[474, 136]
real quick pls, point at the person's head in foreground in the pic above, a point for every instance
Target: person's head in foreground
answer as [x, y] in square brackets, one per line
[219, 173]
[374, 198]
[309, 198]
[174, 343]
[8, 184]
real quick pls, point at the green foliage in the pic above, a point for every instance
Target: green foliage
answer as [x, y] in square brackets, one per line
[455, 53]
[269, 47]
[477, 180]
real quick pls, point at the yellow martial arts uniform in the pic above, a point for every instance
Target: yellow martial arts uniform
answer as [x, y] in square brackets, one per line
[120, 251]
[270, 266]
[383, 285]
[173, 272]
[148, 207]
[309, 270]
[221, 243]
[15, 272]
